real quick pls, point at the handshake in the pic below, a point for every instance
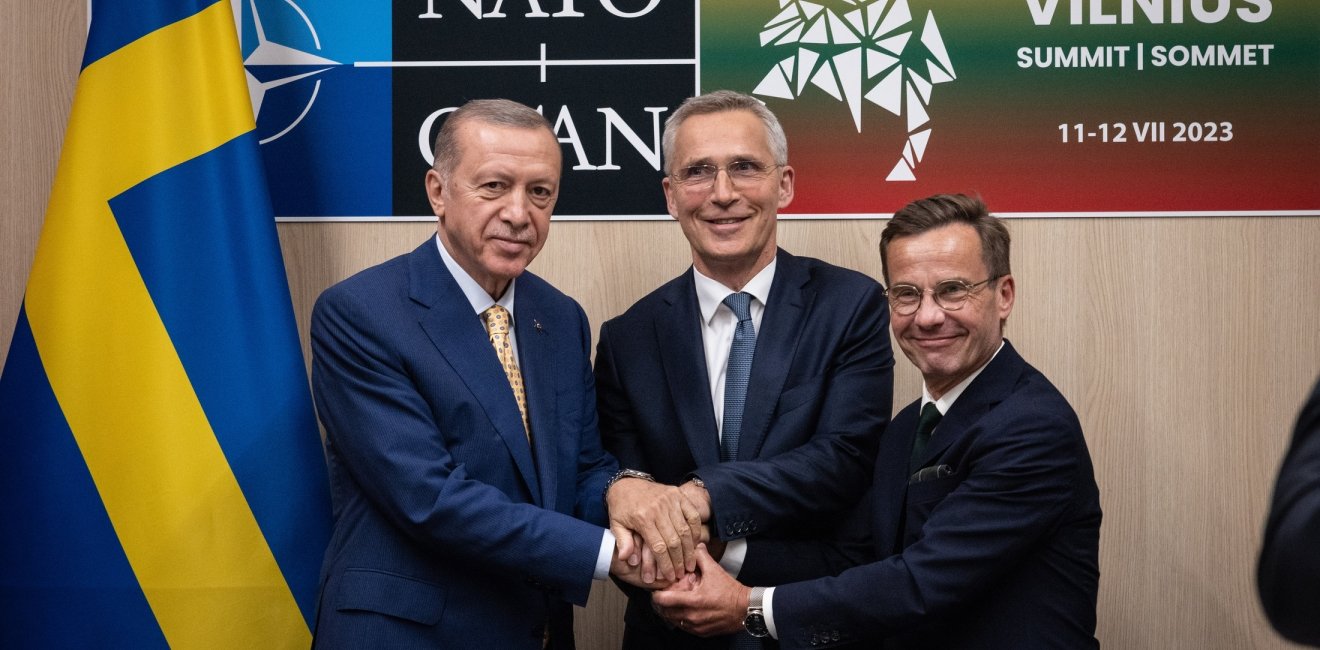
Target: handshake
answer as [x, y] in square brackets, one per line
[657, 529]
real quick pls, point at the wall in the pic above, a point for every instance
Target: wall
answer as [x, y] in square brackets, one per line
[1186, 346]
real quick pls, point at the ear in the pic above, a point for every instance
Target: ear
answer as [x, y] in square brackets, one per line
[785, 186]
[669, 197]
[1005, 293]
[435, 192]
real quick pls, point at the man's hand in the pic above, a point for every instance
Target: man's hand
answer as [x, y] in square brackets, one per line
[631, 573]
[708, 603]
[669, 525]
[697, 495]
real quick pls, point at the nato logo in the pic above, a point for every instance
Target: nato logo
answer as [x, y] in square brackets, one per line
[324, 122]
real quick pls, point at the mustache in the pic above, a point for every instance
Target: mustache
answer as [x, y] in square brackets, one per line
[523, 235]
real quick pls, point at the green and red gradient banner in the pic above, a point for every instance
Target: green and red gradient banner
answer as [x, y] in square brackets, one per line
[1043, 107]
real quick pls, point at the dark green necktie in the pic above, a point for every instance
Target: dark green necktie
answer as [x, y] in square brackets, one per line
[930, 416]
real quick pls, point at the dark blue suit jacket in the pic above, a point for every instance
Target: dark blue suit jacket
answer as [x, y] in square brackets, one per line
[1289, 570]
[450, 532]
[1001, 553]
[817, 402]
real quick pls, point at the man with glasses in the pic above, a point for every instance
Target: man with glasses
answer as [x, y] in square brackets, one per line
[758, 381]
[986, 511]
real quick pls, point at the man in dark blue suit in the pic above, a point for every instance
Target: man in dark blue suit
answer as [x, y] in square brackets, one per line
[985, 507]
[815, 391]
[459, 408]
[1288, 576]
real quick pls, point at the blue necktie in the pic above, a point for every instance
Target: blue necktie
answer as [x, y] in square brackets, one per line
[737, 373]
[736, 376]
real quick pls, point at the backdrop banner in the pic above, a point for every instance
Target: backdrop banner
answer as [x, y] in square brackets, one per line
[1043, 107]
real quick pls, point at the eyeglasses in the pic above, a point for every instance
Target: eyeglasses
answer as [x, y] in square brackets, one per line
[741, 172]
[950, 295]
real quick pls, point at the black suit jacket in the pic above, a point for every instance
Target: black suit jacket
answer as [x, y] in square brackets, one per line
[1000, 553]
[818, 399]
[1289, 571]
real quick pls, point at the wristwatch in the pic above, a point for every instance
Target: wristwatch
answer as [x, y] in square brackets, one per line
[754, 623]
[627, 473]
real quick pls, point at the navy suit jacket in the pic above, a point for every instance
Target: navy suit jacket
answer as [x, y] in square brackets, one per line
[817, 401]
[1289, 570]
[450, 531]
[1001, 553]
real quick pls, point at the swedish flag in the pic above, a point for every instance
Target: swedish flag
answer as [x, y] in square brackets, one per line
[161, 476]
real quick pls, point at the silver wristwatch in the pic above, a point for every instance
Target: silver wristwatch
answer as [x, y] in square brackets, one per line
[754, 622]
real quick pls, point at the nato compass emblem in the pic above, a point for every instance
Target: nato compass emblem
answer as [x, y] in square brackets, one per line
[278, 61]
[863, 51]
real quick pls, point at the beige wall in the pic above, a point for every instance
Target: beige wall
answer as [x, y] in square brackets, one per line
[1186, 346]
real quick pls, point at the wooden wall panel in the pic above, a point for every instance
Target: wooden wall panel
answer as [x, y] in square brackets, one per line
[1186, 346]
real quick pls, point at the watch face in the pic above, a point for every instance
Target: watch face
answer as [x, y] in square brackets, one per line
[755, 625]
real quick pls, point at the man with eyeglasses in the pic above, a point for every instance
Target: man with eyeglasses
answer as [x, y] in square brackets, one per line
[756, 380]
[985, 507]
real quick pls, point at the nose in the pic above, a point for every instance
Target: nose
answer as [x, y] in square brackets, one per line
[517, 211]
[929, 314]
[723, 193]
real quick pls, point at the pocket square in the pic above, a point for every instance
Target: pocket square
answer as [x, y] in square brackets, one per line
[930, 473]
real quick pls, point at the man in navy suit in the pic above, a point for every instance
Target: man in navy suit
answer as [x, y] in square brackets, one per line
[989, 523]
[459, 408]
[1288, 576]
[814, 398]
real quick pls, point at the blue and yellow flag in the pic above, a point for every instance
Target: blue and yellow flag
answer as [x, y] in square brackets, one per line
[161, 475]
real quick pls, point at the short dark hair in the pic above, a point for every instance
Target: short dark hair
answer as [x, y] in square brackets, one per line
[941, 210]
[499, 112]
[721, 101]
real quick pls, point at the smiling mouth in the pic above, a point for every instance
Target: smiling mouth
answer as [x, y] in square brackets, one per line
[726, 221]
[935, 341]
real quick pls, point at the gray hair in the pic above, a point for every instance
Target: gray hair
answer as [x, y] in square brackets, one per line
[721, 101]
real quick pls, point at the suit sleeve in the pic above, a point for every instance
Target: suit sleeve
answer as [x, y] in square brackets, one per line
[595, 465]
[617, 426]
[384, 433]
[1019, 483]
[842, 543]
[832, 469]
[1289, 572]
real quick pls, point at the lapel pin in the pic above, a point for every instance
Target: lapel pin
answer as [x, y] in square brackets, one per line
[537, 325]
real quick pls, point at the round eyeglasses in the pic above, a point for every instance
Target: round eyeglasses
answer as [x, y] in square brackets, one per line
[950, 295]
[741, 172]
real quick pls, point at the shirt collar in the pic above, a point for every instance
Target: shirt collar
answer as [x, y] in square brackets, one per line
[945, 402]
[477, 297]
[711, 293]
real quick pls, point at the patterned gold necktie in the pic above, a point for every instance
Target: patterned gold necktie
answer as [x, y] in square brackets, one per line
[497, 327]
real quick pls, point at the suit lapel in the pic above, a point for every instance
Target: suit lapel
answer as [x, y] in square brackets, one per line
[678, 337]
[776, 344]
[459, 336]
[535, 351]
[891, 477]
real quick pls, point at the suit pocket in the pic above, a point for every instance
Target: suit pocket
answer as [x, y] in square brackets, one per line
[804, 393]
[932, 490]
[391, 595]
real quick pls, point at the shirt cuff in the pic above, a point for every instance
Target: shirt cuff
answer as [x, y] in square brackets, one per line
[604, 556]
[768, 610]
[735, 553]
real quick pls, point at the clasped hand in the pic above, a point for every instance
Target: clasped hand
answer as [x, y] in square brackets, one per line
[708, 602]
[657, 529]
